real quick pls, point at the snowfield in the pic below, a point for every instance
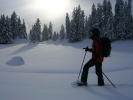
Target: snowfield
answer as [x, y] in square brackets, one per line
[45, 71]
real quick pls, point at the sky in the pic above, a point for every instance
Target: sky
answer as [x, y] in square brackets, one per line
[46, 10]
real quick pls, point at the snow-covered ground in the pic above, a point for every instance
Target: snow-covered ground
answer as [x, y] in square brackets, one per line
[45, 71]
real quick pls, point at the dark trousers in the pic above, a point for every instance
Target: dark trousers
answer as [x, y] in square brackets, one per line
[98, 67]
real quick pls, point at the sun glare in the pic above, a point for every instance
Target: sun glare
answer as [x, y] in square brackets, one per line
[51, 7]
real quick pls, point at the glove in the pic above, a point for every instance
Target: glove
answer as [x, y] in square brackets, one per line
[86, 49]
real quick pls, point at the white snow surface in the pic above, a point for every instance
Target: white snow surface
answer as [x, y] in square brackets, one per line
[48, 69]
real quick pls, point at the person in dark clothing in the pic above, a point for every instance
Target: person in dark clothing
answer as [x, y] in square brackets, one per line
[96, 59]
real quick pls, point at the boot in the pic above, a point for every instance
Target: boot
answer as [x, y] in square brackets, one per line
[100, 82]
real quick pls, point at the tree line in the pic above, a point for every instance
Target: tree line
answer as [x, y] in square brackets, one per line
[11, 28]
[46, 33]
[117, 25]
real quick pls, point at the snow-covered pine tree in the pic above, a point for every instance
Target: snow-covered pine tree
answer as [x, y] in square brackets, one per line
[73, 31]
[19, 32]
[2, 28]
[86, 27]
[62, 32]
[45, 33]
[132, 28]
[82, 25]
[92, 17]
[77, 25]
[89, 25]
[105, 15]
[32, 35]
[4, 31]
[8, 30]
[68, 26]
[109, 28]
[38, 30]
[102, 18]
[99, 17]
[50, 30]
[14, 23]
[14, 27]
[119, 21]
[35, 32]
[73, 27]
[128, 19]
[23, 29]
[55, 36]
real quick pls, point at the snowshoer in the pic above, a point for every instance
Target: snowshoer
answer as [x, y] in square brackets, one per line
[96, 59]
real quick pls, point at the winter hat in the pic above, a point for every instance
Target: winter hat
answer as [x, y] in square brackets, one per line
[95, 32]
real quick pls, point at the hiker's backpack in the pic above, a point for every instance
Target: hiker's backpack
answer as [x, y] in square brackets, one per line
[105, 45]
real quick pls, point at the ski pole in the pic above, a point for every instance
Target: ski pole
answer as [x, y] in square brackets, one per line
[109, 80]
[82, 65]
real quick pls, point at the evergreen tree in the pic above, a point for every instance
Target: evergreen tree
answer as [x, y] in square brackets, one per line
[132, 27]
[23, 29]
[77, 25]
[68, 26]
[119, 21]
[109, 28]
[86, 28]
[99, 15]
[35, 32]
[96, 18]
[82, 25]
[45, 33]
[105, 14]
[92, 19]
[14, 25]
[8, 30]
[32, 35]
[11, 28]
[55, 36]
[62, 32]
[73, 32]
[128, 19]
[19, 28]
[38, 30]
[2, 28]
[102, 18]
[50, 30]
[4, 31]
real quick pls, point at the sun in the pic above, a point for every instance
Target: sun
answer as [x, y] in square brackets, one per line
[51, 7]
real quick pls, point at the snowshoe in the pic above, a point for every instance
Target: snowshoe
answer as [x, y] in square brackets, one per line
[79, 83]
